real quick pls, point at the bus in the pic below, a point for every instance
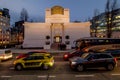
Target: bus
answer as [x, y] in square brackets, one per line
[83, 43]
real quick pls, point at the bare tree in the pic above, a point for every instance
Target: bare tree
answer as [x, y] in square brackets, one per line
[111, 5]
[24, 15]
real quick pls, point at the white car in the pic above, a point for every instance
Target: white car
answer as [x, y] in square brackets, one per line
[5, 54]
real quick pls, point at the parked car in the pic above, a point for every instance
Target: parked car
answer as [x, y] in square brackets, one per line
[28, 53]
[93, 60]
[114, 52]
[5, 54]
[43, 60]
[69, 55]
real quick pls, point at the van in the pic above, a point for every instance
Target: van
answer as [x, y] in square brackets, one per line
[5, 54]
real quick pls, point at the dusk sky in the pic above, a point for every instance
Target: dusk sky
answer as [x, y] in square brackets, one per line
[79, 9]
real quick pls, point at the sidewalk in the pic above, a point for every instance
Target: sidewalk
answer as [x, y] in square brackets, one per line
[16, 50]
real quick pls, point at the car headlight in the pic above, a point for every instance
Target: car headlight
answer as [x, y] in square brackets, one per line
[73, 63]
[14, 62]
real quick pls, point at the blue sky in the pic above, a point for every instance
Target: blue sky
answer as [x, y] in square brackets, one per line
[79, 9]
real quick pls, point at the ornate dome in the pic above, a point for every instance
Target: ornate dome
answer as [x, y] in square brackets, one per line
[57, 10]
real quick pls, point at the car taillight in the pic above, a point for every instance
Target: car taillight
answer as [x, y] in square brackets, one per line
[18, 57]
[65, 55]
[115, 59]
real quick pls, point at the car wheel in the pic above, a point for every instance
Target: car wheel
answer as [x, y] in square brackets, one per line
[18, 67]
[80, 68]
[46, 67]
[110, 67]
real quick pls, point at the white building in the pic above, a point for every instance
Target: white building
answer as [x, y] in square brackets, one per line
[57, 29]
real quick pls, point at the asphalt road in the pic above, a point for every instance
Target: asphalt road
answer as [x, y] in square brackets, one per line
[60, 71]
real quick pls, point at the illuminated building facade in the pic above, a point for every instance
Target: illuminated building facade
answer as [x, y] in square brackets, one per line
[56, 30]
[4, 27]
[99, 29]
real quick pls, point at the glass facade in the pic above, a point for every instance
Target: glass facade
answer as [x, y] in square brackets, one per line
[4, 27]
[99, 25]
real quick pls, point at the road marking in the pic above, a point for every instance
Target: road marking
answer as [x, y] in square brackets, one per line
[52, 76]
[6, 76]
[11, 68]
[115, 74]
[84, 75]
[44, 76]
[6, 63]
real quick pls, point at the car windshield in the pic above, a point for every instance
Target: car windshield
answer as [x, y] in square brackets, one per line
[84, 55]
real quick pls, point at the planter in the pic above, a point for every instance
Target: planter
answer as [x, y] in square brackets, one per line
[46, 46]
[68, 46]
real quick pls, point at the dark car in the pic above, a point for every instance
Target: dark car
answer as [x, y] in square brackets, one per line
[28, 53]
[93, 60]
[69, 55]
[114, 52]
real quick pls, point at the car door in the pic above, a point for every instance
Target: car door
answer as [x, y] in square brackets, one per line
[103, 60]
[30, 61]
[39, 61]
[92, 61]
[99, 61]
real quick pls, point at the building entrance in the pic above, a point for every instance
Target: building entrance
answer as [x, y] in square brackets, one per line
[57, 39]
[57, 33]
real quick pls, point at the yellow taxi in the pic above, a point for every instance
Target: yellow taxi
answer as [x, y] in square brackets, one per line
[42, 60]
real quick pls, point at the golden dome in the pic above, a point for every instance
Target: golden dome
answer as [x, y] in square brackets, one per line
[57, 10]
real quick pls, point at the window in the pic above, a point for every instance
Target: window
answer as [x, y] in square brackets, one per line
[39, 57]
[29, 58]
[49, 56]
[95, 56]
[104, 56]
